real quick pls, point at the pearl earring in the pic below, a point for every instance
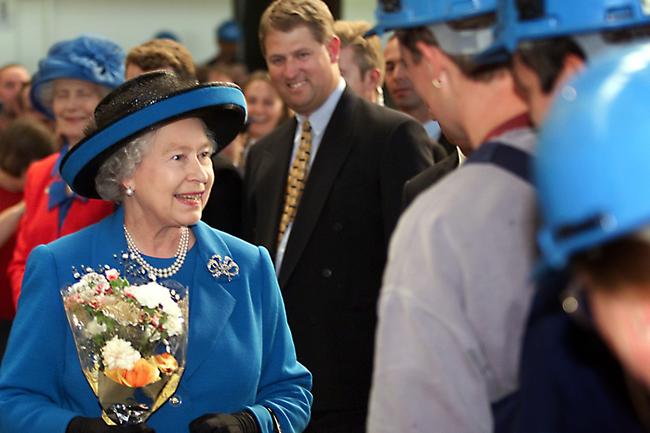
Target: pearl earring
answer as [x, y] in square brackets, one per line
[436, 83]
[129, 191]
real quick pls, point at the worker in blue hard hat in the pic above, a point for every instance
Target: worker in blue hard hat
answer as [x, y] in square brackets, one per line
[456, 290]
[229, 38]
[551, 40]
[591, 173]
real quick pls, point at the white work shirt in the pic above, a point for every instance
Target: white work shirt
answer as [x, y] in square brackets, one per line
[454, 301]
[318, 120]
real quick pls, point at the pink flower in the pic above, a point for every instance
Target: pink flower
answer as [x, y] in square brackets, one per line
[112, 274]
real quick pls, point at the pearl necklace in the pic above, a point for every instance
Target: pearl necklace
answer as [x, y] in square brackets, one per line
[154, 272]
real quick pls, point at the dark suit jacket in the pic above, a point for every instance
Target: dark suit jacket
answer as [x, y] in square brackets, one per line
[431, 175]
[224, 208]
[332, 268]
[570, 382]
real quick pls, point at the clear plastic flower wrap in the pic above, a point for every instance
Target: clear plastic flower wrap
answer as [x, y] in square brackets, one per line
[131, 341]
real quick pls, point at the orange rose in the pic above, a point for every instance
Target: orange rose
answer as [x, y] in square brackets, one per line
[117, 374]
[143, 373]
[166, 363]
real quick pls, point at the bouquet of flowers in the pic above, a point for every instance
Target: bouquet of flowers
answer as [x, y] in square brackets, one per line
[131, 341]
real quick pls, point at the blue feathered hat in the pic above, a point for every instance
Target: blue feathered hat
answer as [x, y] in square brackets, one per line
[89, 58]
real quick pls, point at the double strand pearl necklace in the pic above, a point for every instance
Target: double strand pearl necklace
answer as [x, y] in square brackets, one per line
[153, 272]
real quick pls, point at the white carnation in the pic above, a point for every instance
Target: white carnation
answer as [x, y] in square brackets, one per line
[95, 328]
[173, 325]
[118, 353]
[153, 295]
[171, 308]
[95, 280]
[149, 295]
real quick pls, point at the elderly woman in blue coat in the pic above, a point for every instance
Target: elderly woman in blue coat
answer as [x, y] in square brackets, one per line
[150, 151]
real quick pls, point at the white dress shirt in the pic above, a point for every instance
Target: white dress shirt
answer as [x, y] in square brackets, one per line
[318, 120]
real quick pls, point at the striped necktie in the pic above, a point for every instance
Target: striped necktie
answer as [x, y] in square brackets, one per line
[296, 180]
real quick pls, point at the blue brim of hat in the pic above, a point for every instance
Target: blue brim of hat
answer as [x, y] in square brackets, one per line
[392, 25]
[210, 103]
[494, 54]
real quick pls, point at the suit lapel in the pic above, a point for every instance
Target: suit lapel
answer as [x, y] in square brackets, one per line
[332, 153]
[274, 169]
[211, 305]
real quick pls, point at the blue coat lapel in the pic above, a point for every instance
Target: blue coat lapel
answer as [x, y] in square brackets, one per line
[109, 239]
[209, 300]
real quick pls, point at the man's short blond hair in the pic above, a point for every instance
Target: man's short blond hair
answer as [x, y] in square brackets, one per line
[163, 54]
[367, 51]
[286, 15]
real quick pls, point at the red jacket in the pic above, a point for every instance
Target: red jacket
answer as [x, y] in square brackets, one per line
[39, 225]
[7, 199]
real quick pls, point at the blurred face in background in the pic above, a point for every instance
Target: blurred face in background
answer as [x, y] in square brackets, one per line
[530, 88]
[27, 110]
[12, 79]
[73, 104]
[399, 86]
[133, 70]
[265, 108]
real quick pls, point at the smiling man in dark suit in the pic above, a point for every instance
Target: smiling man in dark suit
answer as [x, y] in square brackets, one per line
[323, 194]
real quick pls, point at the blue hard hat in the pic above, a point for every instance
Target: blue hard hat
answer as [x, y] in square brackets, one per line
[592, 161]
[229, 31]
[522, 20]
[167, 34]
[399, 14]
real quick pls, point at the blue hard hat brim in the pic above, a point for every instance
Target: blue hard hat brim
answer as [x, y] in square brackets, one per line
[494, 54]
[380, 28]
[222, 108]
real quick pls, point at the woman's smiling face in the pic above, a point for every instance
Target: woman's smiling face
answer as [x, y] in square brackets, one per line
[173, 182]
[73, 104]
[264, 108]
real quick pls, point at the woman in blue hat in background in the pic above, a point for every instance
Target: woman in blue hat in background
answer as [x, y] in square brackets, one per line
[69, 83]
[150, 151]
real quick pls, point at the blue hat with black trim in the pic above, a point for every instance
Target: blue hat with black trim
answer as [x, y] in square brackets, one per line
[88, 58]
[143, 104]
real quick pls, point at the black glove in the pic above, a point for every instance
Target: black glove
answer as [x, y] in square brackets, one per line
[240, 422]
[81, 424]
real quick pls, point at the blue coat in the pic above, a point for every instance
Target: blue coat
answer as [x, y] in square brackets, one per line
[240, 350]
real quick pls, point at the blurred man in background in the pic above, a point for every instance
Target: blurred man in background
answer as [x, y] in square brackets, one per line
[361, 61]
